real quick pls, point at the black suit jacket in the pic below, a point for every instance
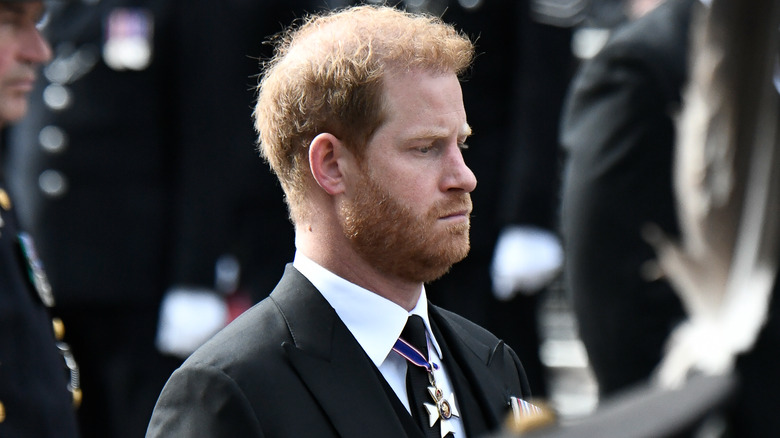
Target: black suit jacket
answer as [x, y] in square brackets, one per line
[618, 131]
[290, 367]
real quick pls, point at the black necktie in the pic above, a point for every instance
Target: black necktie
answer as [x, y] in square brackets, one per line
[417, 381]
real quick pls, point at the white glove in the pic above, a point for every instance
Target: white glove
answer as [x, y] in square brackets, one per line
[525, 260]
[188, 318]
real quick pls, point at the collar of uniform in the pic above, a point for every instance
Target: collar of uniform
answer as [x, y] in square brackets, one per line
[373, 320]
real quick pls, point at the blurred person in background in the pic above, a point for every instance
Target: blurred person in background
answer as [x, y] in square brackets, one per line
[34, 396]
[618, 131]
[136, 167]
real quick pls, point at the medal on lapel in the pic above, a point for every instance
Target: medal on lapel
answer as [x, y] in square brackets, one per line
[443, 408]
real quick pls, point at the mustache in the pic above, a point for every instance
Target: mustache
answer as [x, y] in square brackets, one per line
[456, 204]
[22, 73]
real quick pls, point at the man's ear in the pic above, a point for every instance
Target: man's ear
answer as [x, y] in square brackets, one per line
[326, 158]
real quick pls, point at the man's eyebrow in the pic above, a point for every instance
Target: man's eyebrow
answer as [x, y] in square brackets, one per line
[436, 133]
[19, 10]
[13, 8]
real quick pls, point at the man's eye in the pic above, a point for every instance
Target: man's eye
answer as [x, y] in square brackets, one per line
[7, 19]
[425, 149]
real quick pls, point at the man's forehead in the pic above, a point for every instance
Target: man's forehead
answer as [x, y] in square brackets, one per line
[33, 9]
[19, 5]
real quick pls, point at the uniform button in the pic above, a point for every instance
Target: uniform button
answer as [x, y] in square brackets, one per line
[2, 412]
[57, 97]
[415, 3]
[470, 4]
[53, 139]
[5, 200]
[52, 183]
[59, 328]
[77, 397]
[57, 70]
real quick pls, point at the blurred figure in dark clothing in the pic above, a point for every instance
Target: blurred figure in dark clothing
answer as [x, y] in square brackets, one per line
[137, 169]
[618, 130]
[34, 397]
[619, 133]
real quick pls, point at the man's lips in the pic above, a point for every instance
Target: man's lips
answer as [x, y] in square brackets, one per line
[456, 214]
[21, 84]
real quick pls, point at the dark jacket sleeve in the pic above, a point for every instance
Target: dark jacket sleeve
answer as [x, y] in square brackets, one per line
[220, 410]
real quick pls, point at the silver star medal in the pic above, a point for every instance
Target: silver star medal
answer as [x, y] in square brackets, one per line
[444, 409]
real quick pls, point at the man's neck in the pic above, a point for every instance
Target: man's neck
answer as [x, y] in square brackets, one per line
[338, 257]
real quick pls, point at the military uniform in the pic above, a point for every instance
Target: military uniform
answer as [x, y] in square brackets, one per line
[34, 396]
[105, 170]
[137, 170]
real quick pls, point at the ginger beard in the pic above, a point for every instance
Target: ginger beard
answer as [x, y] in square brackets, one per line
[395, 241]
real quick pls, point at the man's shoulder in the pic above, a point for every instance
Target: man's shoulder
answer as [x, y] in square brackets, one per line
[653, 37]
[257, 334]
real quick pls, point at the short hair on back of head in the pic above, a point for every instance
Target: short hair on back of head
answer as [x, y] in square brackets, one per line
[327, 73]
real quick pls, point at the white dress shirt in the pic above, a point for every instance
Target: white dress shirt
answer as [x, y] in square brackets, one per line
[376, 323]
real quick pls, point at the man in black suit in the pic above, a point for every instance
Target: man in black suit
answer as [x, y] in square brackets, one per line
[618, 131]
[361, 117]
[34, 396]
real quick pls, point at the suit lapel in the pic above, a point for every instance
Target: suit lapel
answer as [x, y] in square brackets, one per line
[333, 365]
[480, 366]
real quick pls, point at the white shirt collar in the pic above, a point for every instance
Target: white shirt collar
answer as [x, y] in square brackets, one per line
[373, 320]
